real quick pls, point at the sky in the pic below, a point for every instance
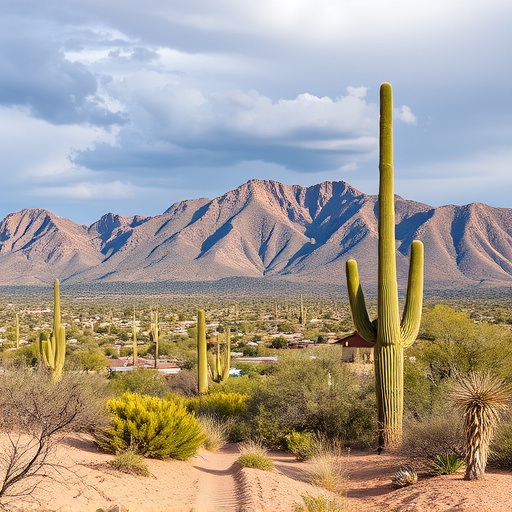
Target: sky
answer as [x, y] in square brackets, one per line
[129, 107]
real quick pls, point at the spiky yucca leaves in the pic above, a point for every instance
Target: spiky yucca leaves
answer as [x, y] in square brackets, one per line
[219, 369]
[482, 398]
[390, 334]
[53, 351]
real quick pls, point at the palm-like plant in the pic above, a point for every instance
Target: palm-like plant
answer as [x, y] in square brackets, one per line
[482, 398]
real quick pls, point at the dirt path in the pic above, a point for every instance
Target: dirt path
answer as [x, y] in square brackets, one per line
[218, 486]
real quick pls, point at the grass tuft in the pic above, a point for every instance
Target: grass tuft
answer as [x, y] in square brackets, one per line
[254, 455]
[129, 461]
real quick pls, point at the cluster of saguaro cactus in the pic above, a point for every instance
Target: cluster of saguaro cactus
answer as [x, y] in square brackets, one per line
[202, 354]
[219, 369]
[53, 351]
[389, 334]
[155, 333]
[134, 339]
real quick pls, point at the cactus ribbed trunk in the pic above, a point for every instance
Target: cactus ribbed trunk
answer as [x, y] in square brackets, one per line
[389, 334]
[389, 384]
[202, 354]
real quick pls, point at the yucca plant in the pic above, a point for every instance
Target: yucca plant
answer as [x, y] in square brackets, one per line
[482, 398]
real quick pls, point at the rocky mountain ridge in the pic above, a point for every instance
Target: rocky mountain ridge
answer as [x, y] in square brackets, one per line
[262, 228]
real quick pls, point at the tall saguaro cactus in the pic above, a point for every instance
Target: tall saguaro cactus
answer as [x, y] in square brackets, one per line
[390, 334]
[54, 349]
[202, 354]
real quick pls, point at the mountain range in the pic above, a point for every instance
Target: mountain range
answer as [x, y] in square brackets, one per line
[261, 229]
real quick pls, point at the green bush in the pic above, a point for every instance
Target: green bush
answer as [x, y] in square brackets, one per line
[318, 395]
[301, 444]
[220, 404]
[144, 381]
[154, 427]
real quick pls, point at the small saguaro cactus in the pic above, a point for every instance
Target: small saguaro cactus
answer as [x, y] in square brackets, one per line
[53, 350]
[219, 372]
[17, 319]
[134, 339]
[202, 354]
[302, 313]
[155, 333]
[389, 334]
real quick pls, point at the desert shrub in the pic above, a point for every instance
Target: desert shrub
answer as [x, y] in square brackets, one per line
[221, 404]
[447, 464]
[129, 461]
[323, 503]
[216, 431]
[87, 360]
[428, 438]
[36, 413]
[301, 444]
[154, 427]
[501, 447]
[184, 383]
[144, 381]
[254, 455]
[313, 395]
[327, 468]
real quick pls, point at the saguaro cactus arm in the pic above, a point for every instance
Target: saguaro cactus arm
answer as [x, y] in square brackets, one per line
[364, 326]
[411, 317]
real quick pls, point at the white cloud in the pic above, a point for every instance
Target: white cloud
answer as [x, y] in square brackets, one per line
[89, 191]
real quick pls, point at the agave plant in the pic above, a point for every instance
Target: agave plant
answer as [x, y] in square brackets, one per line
[482, 398]
[404, 476]
[447, 464]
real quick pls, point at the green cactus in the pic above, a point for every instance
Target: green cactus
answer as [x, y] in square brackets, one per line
[219, 370]
[302, 314]
[202, 354]
[17, 330]
[134, 339]
[389, 334]
[53, 350]
[154, 333]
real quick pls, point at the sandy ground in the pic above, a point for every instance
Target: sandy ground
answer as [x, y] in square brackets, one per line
[214, 482]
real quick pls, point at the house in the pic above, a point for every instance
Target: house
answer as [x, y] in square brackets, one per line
[355, 349]
[125, 364]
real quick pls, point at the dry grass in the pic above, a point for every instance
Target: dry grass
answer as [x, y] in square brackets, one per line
[328, 466]
[215, 430]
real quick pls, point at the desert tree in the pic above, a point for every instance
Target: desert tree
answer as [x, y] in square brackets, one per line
[36, 413]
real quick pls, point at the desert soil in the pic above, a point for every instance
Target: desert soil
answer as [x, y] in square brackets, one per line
[214, 482]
